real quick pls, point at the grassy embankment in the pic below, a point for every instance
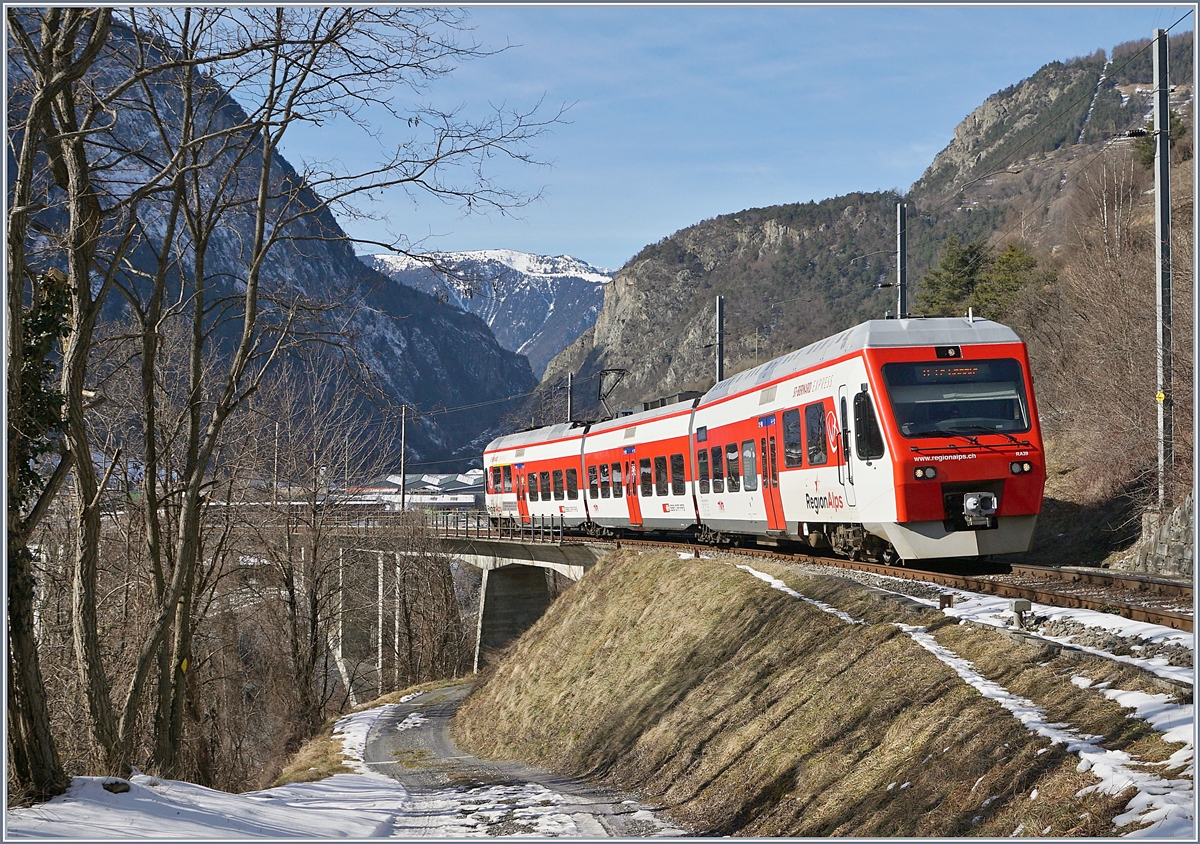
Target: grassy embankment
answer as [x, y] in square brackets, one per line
[746, 711]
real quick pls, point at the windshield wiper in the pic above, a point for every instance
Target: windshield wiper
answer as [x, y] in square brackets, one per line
[983, 429]
[935, 432]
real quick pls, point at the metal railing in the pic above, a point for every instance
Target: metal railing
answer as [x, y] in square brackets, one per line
[462, 524]
[459, 524]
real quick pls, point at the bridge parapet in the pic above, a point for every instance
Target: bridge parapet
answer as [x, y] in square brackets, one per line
[571, 561]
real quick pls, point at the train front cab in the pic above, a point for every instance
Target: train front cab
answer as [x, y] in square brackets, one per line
[968, 462]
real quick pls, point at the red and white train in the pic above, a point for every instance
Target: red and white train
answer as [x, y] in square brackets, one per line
[893, 440]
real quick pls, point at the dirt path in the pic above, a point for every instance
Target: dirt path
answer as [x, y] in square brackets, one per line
[456, 793]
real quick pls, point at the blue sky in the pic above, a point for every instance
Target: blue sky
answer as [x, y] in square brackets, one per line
[682, 113]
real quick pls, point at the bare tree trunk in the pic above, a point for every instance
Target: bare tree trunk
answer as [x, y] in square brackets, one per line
[34, 754]
[84, 233]
[55, 65]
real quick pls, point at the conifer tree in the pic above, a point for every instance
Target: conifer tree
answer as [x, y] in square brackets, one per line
[946, 289]
[1010, 273]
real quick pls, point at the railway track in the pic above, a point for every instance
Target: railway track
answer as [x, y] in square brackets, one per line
[1140, 598]
[1151, 600]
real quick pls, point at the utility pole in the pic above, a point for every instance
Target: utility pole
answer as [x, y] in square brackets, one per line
[901, 261]
[570, 392]
[403, 454]
[1162, 262]
[720, 339]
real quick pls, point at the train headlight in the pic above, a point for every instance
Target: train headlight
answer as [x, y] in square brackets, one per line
[1020, 468]
[924, 473]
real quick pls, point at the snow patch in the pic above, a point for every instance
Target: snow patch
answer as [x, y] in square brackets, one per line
[776, 583]
[1165, 804]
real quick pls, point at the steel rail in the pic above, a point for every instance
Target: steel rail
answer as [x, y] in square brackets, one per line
[1166, 618]
[1126, 580]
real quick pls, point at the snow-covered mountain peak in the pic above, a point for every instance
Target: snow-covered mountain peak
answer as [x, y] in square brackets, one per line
[535, 304]
[535, 266]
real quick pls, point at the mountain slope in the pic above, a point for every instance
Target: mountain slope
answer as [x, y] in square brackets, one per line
[1083, 101]
[795, 273]
[535, 304]
[402, 347]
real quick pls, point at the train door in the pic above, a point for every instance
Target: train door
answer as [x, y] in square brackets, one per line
[767, 445]
[631, 493]
[520, 484]
[846, 458]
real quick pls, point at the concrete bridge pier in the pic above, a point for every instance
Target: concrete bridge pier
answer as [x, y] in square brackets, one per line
[511, 599]
[518, 583]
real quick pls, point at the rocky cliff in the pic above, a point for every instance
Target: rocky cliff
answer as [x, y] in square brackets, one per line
[787, 278]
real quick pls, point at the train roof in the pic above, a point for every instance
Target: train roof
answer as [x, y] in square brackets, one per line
[535, 435]
[642, 416]
[876, 333]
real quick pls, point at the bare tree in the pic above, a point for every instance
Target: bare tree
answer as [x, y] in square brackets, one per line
[65, 48]
[1092, 334]
[313, 442]
[206, 196]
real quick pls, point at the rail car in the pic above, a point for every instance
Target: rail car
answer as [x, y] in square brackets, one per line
[893, 440]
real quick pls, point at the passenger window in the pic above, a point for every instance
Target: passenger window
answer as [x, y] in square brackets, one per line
[678, 484]
[508, 479]
[868, 439]
[732, 472]
[558, 484]
[814, 429]
[572, 483]
[749, 461]
[793, 449]
[533, 486]
[545, 486]
[702, 466]
[718, 470]
[660, 476]
[616, 478]
[593, 482]
[647, 480]
[605, 489]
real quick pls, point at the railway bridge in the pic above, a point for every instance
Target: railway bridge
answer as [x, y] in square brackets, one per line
[522, 571]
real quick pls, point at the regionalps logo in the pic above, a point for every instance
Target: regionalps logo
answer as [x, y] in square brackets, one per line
[828, 501]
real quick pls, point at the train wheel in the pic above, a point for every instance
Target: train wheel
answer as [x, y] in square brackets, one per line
[891, 558]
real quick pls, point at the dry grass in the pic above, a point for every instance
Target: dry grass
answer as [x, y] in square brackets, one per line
[319, 758]
[747, 712]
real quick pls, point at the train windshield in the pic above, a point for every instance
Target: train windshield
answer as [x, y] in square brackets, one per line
[961, 398]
